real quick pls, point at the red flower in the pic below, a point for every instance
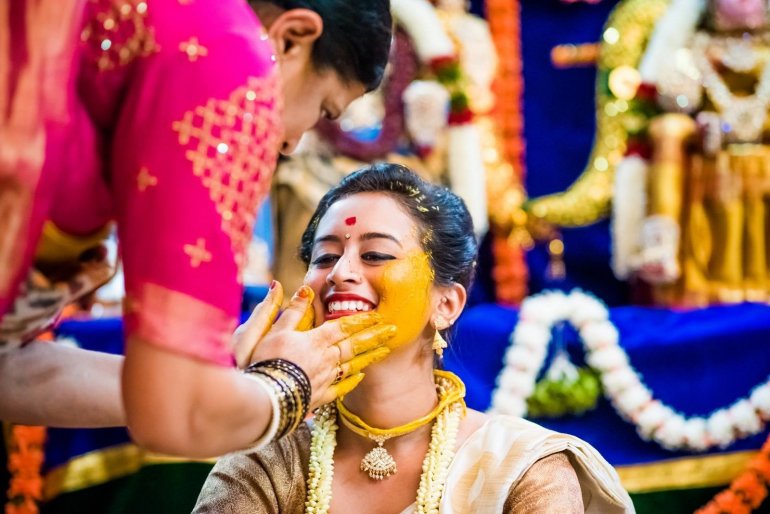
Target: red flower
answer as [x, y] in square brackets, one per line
[647, 92]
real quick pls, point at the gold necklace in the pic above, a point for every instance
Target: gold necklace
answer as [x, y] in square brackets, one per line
[378, 463]
[435, 466]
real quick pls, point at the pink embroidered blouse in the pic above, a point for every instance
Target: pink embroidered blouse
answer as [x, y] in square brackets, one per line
[163, 115]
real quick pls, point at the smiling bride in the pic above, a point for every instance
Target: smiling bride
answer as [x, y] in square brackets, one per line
[403, 441]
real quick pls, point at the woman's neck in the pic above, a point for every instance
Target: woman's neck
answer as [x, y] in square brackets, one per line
[396, 391]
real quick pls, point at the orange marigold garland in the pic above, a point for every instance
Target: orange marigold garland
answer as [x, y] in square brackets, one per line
[25, 461]
[747, 492]
[504, 16]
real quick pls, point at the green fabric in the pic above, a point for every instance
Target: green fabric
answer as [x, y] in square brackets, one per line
[155, 489]
[681, 501]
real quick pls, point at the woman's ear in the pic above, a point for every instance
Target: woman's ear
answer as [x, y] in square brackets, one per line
[293, 32]
[450, 304]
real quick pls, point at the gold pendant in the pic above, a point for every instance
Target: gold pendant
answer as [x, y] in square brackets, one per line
[378, 462]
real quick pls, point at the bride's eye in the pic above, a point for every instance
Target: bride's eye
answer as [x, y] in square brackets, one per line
[377, 257]
[326, 260]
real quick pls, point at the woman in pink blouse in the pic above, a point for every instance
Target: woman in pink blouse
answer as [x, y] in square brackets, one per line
[166, 116]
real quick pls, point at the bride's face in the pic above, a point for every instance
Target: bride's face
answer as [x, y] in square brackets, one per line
[367, 256]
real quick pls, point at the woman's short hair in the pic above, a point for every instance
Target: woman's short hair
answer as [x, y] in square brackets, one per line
[356, 37]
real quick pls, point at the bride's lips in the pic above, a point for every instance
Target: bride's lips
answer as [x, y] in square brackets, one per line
[339, 305]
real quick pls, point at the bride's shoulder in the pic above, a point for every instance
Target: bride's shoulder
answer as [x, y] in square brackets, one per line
[481, 423]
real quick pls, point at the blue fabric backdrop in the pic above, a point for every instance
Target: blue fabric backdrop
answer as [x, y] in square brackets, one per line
[696, 362]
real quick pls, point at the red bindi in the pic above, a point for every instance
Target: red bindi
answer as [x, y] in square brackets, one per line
[350, 221]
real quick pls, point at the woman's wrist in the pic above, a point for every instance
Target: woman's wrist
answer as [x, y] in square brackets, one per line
[289, 390]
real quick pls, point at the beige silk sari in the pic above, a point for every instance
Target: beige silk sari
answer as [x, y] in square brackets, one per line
[509, 465]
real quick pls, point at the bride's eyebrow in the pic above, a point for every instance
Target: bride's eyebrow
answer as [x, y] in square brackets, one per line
[368, 236]
[331, 238]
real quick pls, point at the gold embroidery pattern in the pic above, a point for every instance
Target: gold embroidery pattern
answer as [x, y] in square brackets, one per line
[144, 180]
[117, 32]
[193, 49]
[233, 146]
[197, 253]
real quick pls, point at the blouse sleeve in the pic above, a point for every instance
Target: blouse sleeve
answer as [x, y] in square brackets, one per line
[550, 486]
[271, 480]
[195, 145]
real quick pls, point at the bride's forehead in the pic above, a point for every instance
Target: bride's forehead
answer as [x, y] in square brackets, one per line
[366, 210]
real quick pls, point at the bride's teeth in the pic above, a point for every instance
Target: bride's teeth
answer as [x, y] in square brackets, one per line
[345, 306]
[337, 306]
[366, 307]
[360, 306]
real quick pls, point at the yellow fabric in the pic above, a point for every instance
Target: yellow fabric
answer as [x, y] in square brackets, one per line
[55, 245]
[720, 204]
[360, 427]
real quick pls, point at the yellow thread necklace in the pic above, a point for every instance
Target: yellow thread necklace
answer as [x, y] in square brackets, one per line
[378, 463]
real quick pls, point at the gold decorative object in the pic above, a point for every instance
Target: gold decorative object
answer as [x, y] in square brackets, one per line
[588, 199]
[378, 463]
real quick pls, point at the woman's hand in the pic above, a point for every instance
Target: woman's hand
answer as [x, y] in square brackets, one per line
[248, 335]
[354, 342]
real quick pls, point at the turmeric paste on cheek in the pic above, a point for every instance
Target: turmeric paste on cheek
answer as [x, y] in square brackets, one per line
[404, 289]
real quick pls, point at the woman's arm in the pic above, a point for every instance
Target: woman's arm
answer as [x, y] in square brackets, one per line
[179, 405]
[550, 486]
[55, 385]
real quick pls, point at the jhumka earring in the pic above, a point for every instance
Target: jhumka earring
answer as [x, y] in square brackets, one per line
[440, 323]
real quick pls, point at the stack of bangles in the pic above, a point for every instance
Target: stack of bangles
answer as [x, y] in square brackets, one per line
[289, 390]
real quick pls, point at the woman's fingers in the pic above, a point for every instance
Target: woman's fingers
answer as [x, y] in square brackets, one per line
[351, 370]
[341, 389]
[332, 332]
[365, 341]
[355, 365]
[295, 313]
[247, 336]
[308, 318]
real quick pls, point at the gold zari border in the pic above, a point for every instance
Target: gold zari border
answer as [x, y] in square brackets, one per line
[101, 466]
[686, 473]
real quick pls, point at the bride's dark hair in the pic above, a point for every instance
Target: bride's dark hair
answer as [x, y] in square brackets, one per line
[444, 223]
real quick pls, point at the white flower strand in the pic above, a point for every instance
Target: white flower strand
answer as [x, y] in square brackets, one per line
[623, 386]
[323, 441]
[435, 466]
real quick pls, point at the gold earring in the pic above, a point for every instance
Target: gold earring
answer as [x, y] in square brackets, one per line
[439, 344]
[439, 323]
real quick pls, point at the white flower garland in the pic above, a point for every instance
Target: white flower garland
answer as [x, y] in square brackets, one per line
[623, 386]
[435, 466]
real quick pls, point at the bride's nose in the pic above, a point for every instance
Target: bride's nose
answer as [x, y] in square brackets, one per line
[345, 271]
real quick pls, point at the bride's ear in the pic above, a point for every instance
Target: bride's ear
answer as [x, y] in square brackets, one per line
[450, 303]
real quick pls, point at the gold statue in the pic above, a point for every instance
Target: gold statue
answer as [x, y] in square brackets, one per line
[680, 158]
[699, 236]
